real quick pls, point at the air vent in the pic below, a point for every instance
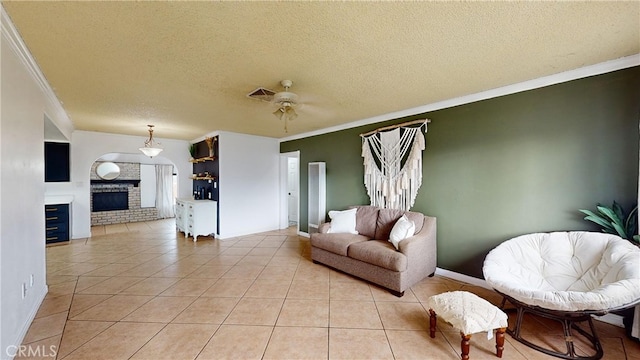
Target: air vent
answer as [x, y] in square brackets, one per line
[261, 94]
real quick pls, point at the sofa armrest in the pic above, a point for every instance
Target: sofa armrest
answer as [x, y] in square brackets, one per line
[324, 227]
[420, 250]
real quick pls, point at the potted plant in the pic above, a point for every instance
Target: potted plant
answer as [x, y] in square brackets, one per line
[614, 220]
[192, 150]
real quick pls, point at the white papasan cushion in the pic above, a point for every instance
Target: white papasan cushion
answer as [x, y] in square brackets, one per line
[567, 271]
[467, 312]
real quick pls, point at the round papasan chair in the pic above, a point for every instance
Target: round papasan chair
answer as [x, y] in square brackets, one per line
[567, 277]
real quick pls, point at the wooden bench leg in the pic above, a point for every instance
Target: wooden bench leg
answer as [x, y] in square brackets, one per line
[433, 318]
[500, 341]
[465, 345]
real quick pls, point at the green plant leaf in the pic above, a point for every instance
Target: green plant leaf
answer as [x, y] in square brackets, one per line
[587, 212]
[631, 224]
[584, 211]
[613, 220]
[618, 210]
[591, 213]
[620, 230]
[606, 225]
[610, 214]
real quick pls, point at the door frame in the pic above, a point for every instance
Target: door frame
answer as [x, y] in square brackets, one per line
[284, 201]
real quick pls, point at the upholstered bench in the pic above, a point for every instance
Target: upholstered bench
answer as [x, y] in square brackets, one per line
[470, 314]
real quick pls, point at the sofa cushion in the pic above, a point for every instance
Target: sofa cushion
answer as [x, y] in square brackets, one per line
[380, 253]
[402, 229]
[417, 218]
[386, 219]
[343, 221]
[366, 218]
[336, 243]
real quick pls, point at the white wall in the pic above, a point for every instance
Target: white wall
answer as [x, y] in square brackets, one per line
[87, 146]
[22, 235]
[248, 184]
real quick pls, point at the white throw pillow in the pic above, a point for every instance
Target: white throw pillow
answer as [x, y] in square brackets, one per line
[343, 221]
[403, 229]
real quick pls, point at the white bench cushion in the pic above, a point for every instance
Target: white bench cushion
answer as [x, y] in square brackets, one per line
[467, 312]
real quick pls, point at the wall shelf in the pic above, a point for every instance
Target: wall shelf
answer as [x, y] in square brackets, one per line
[202, 159]
[135, 183]
[203, 177]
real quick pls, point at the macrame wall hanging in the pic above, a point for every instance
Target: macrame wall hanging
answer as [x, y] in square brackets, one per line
[393, 164]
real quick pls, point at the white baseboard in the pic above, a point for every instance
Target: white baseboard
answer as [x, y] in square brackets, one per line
[612, 319]
[32, 315]
[464, 278]
[304, 234]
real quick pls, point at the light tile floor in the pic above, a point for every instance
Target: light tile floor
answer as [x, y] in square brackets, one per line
[143, 291]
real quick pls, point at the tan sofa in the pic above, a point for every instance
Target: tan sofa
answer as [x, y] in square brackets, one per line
[370, 256]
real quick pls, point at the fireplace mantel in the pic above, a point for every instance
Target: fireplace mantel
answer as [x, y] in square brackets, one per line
[115, 182]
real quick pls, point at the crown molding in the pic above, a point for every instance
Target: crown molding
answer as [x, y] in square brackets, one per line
[58, 116]
[583, 72]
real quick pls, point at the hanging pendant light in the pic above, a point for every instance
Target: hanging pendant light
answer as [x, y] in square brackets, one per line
[151, 147]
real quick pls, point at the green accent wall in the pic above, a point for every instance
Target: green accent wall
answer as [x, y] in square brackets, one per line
[506, 166]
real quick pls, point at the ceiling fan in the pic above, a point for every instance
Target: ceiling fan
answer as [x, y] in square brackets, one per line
[285, 101]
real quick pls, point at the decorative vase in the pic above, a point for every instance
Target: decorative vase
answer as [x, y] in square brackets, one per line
[209, 141]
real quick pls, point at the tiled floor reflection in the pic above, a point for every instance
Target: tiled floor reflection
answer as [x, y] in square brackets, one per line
[143, 291]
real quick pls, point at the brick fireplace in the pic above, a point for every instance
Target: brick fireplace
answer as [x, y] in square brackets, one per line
[127, 182]
[110, 200]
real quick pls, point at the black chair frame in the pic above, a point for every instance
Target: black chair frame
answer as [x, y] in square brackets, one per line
[569, 321]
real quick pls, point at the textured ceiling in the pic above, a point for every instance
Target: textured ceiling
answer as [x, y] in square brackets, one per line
[187, 66]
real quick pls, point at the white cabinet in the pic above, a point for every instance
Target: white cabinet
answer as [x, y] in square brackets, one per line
[180, 210]
[196, 217]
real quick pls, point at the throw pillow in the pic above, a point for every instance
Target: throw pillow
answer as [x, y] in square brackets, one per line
[403, 229]
[343, 221]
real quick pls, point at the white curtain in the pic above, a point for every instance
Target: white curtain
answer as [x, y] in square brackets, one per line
[164, 191]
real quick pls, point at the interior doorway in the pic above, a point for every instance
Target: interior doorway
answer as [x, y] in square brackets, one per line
[137, 191]
[290, 190]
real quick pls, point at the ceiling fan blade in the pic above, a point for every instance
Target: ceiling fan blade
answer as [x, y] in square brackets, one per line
[315, 111]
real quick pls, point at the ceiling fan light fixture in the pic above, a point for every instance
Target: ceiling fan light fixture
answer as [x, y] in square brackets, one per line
[285, 113]
[291, 113]
[286, 101]
[151, 147]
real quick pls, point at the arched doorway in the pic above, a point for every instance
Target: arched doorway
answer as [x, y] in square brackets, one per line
[144, 189]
